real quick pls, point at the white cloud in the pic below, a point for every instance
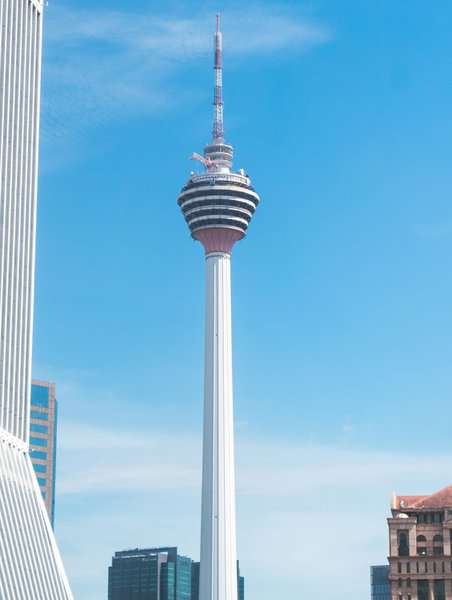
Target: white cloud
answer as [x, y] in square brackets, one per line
[298, 505]
[104, 65]
[434, 231]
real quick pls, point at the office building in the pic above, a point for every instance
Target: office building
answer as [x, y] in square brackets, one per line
[420, 535]
[150, 574]
[43, 440]
[30, 564]
[195, 582]
[380, 588]
[218, 206]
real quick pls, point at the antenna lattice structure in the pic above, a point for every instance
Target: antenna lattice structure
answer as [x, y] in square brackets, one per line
[218, 125]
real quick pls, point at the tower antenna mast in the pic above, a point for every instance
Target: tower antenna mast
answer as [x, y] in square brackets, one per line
[218, 125]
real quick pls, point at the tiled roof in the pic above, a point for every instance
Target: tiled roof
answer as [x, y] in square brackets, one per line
[439, 499]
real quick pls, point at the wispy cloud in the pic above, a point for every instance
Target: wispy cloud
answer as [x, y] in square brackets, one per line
[434, 231]
[290, 495]
[104, 65]
[268, 467]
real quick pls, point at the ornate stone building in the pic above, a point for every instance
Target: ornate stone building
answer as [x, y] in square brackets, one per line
[420, 535]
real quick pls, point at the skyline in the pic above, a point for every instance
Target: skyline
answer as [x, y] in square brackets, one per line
[350, 285]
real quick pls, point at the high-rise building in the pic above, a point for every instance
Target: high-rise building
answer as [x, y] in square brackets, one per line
[195, 582]
[420, 538]
[380, 588]
[150, 574]
[218, 206]
[43, 440]
[30, 564]
[240, 583]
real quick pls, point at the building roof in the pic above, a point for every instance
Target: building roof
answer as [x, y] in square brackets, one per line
[439, 499]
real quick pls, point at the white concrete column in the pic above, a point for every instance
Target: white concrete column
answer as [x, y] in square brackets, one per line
[218, 570]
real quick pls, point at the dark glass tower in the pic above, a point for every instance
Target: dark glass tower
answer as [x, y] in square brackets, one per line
[195, 582]
[380, 587]
[150, 574]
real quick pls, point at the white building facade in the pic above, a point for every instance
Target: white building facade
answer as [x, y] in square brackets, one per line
[30, 564]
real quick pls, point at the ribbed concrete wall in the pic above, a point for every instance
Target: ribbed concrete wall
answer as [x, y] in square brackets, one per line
[20, 59]
[30, 564]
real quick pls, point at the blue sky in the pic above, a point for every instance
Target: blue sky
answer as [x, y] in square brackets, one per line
[340, 112]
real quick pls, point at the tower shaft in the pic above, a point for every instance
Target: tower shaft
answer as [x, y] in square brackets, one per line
[218, 571]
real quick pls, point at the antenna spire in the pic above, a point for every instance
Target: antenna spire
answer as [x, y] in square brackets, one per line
[218, 126]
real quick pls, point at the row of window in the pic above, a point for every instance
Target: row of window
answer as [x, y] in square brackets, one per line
[38, 441]
[206, 212]
[35, 414]
[40, 396]
[34, 427]
[423, 590]
[217, 192]
[436, 567]
[217, 181]
[204, 223]
[40, 468]
[421, 542]
[38, 454]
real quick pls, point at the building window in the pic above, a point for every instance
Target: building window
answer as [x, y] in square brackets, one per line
[35, 428]
[38, 441]
[438, 548]
[38, 454]
[35, 414]
[399, 567]
[40, 396]
[422, 589]
[434, 567]
[425, 567]
[408, 582]
[408, 567]
[417, 567]
[42, 481]
[443, 567]
[421, 542]
[439, 589]
[403, 544]
[40, 468]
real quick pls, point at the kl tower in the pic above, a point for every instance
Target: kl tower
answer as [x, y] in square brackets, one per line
[218, 206]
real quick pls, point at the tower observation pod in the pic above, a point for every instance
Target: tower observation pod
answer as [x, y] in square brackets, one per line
[218, 206]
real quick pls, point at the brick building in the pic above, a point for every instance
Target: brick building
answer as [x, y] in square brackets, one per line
[420, 536]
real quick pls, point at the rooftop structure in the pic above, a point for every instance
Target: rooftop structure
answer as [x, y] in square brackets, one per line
[150, 574]
[218, 206]
[420, 537]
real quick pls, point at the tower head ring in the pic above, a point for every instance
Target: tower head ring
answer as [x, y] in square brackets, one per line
[218, 208]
